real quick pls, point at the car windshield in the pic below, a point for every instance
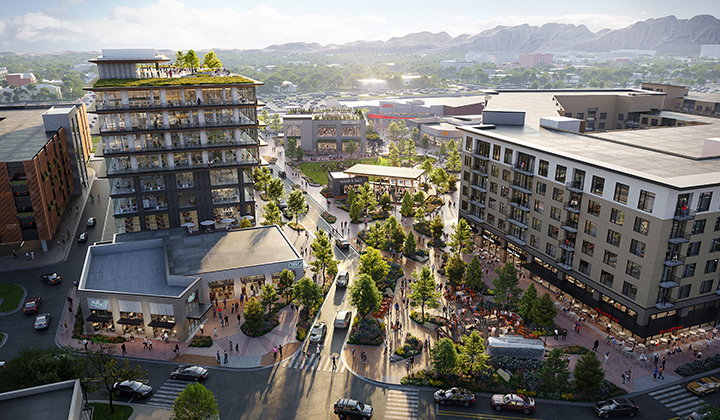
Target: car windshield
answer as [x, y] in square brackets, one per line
[29, 304]
[135, 385]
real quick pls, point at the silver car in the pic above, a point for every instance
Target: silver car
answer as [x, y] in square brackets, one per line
[317, 334]
[42, 321]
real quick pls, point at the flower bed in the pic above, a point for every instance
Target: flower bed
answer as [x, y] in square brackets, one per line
[265, 327]
[432, 203]
[433, 319]
[380, 215]
[201, 341]
[412, 347]
[328, 217]
[270, 159]
[296, 226]
[385, 305]
[699, 366]
[422, 229]
[367, 331]
[326, 192]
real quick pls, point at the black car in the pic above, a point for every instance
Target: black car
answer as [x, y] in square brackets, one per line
[457, 396]
[352, 409]
[282, 173]
[133, 388]
[192, 373]
[616, 407]
[51, 278]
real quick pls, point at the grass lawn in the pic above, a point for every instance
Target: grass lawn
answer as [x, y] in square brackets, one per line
[1, 337]
[11, 295]
[95, 142]
[102, 412]
[314, 170]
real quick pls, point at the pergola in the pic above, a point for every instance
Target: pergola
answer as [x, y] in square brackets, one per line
[393, 179]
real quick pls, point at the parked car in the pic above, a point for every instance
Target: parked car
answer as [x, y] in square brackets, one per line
[282, 174]
[317, 334]
[616, 407]
[133, 388]
[513, 402]
[83, 237]
[342, 279]
[347, 408]
[91, 221]
[42, 321]
[342, 243]
[192, 373]
[706, 385]
[342, 319]
[457, 396]
[32, 305]
[51, 278]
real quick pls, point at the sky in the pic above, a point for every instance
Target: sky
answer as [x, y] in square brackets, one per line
[90, 25]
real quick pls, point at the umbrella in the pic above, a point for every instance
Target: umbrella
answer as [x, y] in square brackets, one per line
[248, 217]
[188, 224]
[228, 220]
[207, 222]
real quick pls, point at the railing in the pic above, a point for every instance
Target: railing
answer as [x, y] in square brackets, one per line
[129, 170]
[575, 186]
[674, 260]
[679, 237]
[523, 168]
[670, 281]
[523, 205]
[570, 226]
[572, 206]
[686, 214]
[125, 150]
[478, 152]
[480, 170]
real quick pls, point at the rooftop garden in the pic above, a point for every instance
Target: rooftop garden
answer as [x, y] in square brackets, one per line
[201, 79]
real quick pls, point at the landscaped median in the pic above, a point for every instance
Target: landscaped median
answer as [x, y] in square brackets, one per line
[11, 295]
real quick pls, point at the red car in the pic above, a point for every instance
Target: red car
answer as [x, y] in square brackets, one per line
[32, 305]
[514, 402]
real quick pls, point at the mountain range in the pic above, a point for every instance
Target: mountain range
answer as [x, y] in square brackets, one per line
[666, 35]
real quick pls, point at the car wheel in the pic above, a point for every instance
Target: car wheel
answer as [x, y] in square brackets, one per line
[341, 416]
[498, 408]
[173, 376]
[441, 402]
[606, 416]
[196, 379]
[466, 404]
[526, 411]
[138, 396]
[631, 414]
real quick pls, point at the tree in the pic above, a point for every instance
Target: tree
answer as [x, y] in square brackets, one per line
[424, 292]
[367, 198]
[406, 208]
[437, 227]
[506, 291]
[460, 237]
[245, 223]
[587, 373]
[285, 283]
[323, 252]
[262, 178]
[428, 167]
[438, 178]
[39, 366]
[454, 162]
[385, 201]
[276, 124]
[195, 402]
[419, 198]
[410, 245]
[473, 275]
[364, 295]
[455, 269]
[554, 373]
[290, 146]
[373, 264]
[472, 355]
[410, 151]
[527, 303]
[420, 216]
[269, 298]
[375, 236]
[296, 204]
[179, 59]
[395, 232]
[275, 190]
[351, 147]
[210, 61]
[254, 313]
[443, 356]
[544, 312]
[106, 369]
[272, 215]
[355, 210]
[451, 182]
[351, 197]
[415, 134]
[443, 150]
[191, 60]
[307, 293]
[394, 155]
[425, 142]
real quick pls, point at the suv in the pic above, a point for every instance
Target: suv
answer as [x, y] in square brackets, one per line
[347, 408]
[342, 243]
[342, 319]
[342, 279]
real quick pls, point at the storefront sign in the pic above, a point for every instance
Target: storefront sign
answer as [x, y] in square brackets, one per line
[606, 314]
[680, 327]
[102, 304]
[386, 106]
[192, 297]
[294, 264]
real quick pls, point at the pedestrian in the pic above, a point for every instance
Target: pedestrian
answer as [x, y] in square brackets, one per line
[595, 345]
[353, 352]
[656, 359]
[217, 355]
[238, 318]
[66, 327]
[274, 353]
[629, 373]
[150, 344]
[177, 350]
[230, 344]
[226, 320]
[202, 329]
[236, 348]
[714, 332]
[564, 333]
[407, 366]
[556, 334]
[32, 255]
[280, 350]
[623, 377]
[317, 352]
[85, 343]
[222, 322]
[215, 331]
[225, 356]
[334, 364]
[660, 373]
[607, 356]
[27, 255]
[663, 362]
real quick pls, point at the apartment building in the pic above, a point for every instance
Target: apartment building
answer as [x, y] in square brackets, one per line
[626, 222]
[326, 131]
[179, 146]
[532, 60]
[20, 79]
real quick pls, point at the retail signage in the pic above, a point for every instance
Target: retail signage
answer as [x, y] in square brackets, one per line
[192, 297]
[102, 304]
[606, 314]
[294, 264]
[386, 106]
[679, 327]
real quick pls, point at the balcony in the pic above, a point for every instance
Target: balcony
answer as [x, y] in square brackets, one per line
[571, 227]
[478, 188]
[476, 153]
[147, 105]
[632, 123]
[517, 223]
[522, 168]
[674, 261]
[111, 170]
[665, 303]
[569, 247]
[572, 206]
[575, 186]
[679, 238]
[479, 170]
[188, 147]
[683, 215]
[521, 188]
[476, 202]
[564, 264]
[111, 129]
[474, 218]
[670, 281]
[514, 239]
[519, 204]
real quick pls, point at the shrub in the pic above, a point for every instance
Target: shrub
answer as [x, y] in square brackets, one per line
[575, 349]
[301, 334]
[699, 366]
[267, 325]
[367, 331]
[412, 347]
[328, 217]
[433, 319]
[201, 341]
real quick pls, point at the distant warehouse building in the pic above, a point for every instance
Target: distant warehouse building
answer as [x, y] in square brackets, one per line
[329, 131]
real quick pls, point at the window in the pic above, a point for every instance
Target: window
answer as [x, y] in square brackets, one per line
[493, 187]
[591, 228]
[506, 175]
[491, 219]
[693, 249]
[606, 278]
[580, 115]
[543, 168]
[621, 193]
[492, 203]
[610, 258]
[688, 270]
[588, 248]
[594, 208]
[494, 171]
[496, 152]
[503, 208]
[508, 156]
[541, 188]
[617, 217]
[601, 126]
[644, 120]
[558, 194]
[641, 226]
[715, 245]
[552, 232]
[621, 117]
[603, 115]
[637, 248]
[629, 290]
[502, 225]
[560, 173]
[706, 287]
[537, 224]
[584, 267]
[555, 213]
[550, 250]
[613, 238]
[698, 227]
[633, 269]
[711, 266]
[704, 201]
[504, 191]
[539, 206]
[647, 201]
[534, 242]
[717, 224]
[684, 291]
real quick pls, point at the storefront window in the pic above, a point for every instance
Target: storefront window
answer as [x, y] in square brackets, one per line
[222, 289]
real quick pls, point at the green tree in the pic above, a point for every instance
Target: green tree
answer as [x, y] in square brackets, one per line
[254, 313]
[415, 134]
[474, 274]
[443, 150]
[544, 312]
[179, 59]
[351, 197]
[425, 142]
[428, 167]
[455, 269]
[296, 204]
[276, 124]
[419, 198]
[424, 293]
[351, 147]
[420, 216]
[394, 155]
[275, 190]
[35, 366]
[437, 227]
[555, 374]
[373, 264]
[195, 402]
[210, 61]
[395, 232]
[587, 373]
[444, 356]
[285, 283]
[324, 255]
[191, 60]
[355, 211]
[438, 178]
[410, 245]
[410, 151]
[269, 298]
[375, 236]
[262, 178]
[290, 146]
[272, 215]
[451, 182]
[472, 357]
[308, 294]
[454, 162]
[367, 198]
[406, 208]
[527, 303]
[245, 223]
[506, 291]
[264, 115]
[364, 295]
[385, 201]
[460, 237]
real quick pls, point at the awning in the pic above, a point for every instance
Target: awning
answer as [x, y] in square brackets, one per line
[160, 324]
[98, 318]
[128, 321]
[199, 312]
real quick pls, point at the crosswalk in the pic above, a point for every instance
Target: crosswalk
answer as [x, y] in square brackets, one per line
[401, 404]
[315, 362]
[165, 396]
[678, 399]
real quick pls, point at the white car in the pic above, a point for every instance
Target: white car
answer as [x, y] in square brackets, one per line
[42, 321]
[342, 319]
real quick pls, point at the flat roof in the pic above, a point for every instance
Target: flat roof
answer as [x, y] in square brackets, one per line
[49, 401]
[22, 134]
[452, 101]
[384, 171]
[194, 80]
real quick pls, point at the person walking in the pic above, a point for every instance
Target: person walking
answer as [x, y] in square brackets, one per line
[15, 255]
[274, 353]
[663, 362]
[230, 344]
[225, 356]
[656, 359]
[124, 350]
[655, 373]
[595, 345]
[624, 375]
[217, 355]
[334, 364]
[564, 334]
[66, 326]
[607, 356]
[280, 350]
[145, 343]
[177, 350]
[556, 334]
[150, 344]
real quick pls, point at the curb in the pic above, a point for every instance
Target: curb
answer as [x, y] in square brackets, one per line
[22, 300]
[5, 338]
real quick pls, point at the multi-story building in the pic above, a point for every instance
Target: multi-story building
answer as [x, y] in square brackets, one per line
[20, 79]
[43, 155]
[179, 148]
[326, 131]
[710, 51]
[625, 222]
[532, 60]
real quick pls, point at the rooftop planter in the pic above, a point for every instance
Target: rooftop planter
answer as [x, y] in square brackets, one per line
[174, 81]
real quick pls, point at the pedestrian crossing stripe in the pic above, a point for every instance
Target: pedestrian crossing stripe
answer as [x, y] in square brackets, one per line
[678, 399]
[314, 362]
[165, 396]
[477, 416]
[401, 404]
